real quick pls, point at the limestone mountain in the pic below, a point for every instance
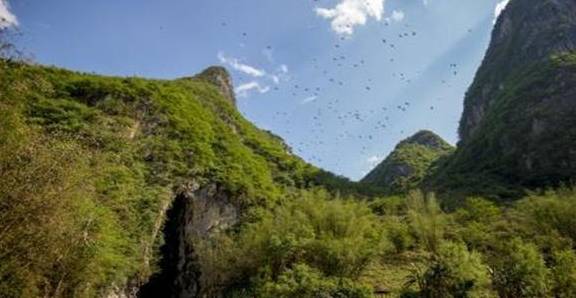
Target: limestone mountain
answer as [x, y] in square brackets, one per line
[124, 187]
[409, 162]
[518, 126]
[127, 174]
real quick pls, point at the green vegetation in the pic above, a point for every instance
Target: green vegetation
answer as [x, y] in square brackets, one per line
[407, 166]
[453, 272]
[525, 137]
[310, 239]
[89, 165]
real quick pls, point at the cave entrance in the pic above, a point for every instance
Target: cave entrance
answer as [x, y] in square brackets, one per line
[175, 277]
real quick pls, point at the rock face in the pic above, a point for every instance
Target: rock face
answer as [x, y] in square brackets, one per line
[527, 32]
[518, 126]
[196, 213]
[408, 164]
[219, 77]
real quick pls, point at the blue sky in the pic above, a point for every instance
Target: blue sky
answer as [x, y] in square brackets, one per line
[342, 81]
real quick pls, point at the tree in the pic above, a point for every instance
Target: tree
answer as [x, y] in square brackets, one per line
[337, 238]
[452, 272]
[520, 271]
[305, 282]
[427, 220]
[564, 274]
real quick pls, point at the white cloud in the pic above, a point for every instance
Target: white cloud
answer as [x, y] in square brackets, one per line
[280, 75]
[500, 8]
[7, 19]
[262, 79]
[241, 67]
[275, 79]
[309, 99]
[351, 13]
[398, 16]
[373, 160]
[245, 89]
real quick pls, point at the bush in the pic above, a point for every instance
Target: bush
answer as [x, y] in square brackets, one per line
[389, 206]
[477, 221]
[305, 282]
[452, 272]
[549, 217]
[336, 237]
[564, 274]
[427, 221]
[47, 215]
[520, 271]
[398, 233]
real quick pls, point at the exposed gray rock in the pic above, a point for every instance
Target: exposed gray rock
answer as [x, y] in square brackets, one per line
[221, 78]
[196, 213]
[527, 31]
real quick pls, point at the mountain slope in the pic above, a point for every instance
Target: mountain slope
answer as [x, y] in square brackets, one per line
[95, 166]
[517, 129]
[408, 163]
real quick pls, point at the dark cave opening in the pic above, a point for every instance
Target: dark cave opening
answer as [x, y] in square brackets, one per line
[174, 278]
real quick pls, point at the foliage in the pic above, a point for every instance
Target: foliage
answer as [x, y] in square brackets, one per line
[303, 281]
[477, 222]
[427, 221]
[405, 168]
[550, 215]
[522, 142]
[564, 274]
[520, 271]
[338, 238]
[54, 235]
[89, 164]
[452, 272]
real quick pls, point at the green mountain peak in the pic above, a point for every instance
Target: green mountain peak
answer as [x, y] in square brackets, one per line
[408, 163]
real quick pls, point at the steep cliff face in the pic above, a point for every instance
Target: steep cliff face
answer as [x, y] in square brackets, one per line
[517, 129]
[526, 33]
[408, 164]
[196, 214]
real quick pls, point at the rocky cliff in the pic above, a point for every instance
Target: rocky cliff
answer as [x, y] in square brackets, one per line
[517, 129]
[219, 77]
[528, 32]
[408, 164]
[196, 214]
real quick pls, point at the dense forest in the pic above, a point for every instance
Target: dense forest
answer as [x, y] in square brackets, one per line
[133, 187]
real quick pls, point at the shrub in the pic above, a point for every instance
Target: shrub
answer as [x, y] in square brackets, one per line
[477, 222]
[549, 217]
[520, 271]
[398, 233]
[452, 272]
[305, 282]
[564, 274]
[389, 206]
[47, 216]
[338, 238]
[427, 221]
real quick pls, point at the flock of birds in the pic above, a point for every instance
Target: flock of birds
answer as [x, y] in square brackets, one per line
[330, 122]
